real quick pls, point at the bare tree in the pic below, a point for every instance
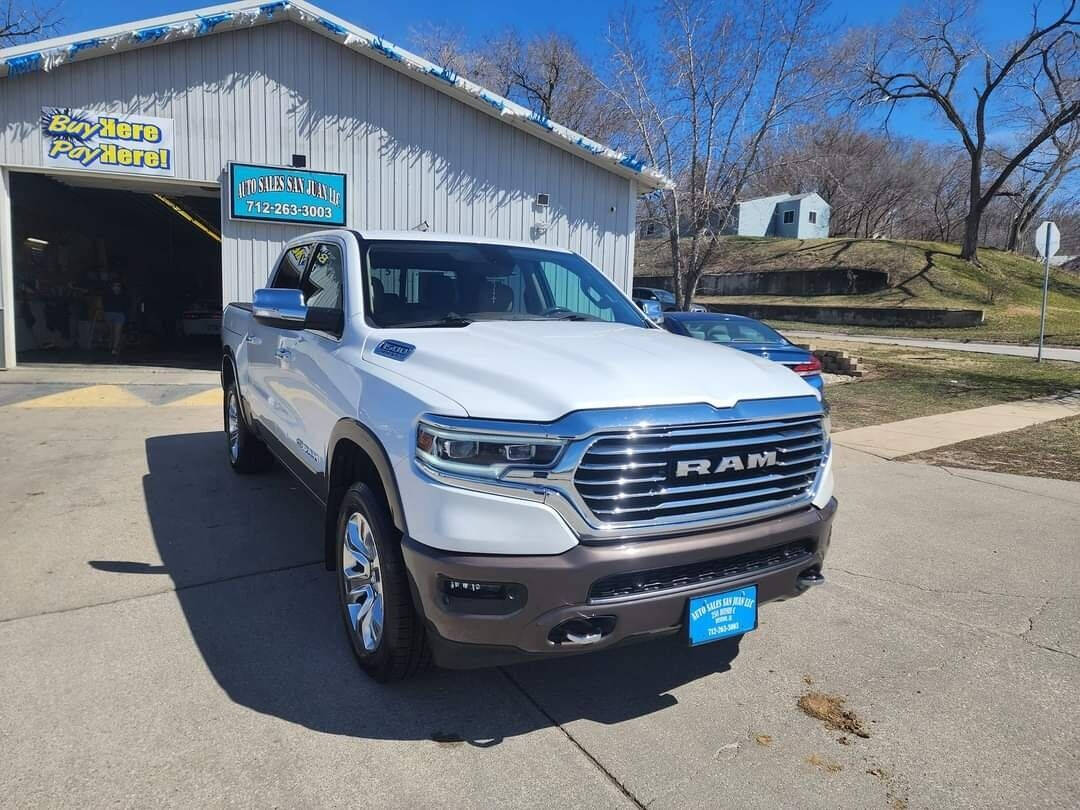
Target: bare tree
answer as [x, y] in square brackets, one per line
[546, 73]
[948, 198]
[703, 95]
[924, 55]
[20, 21]
[1036, 181]
[876, 184]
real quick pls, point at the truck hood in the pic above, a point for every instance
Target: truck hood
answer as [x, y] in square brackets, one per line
[541, 370]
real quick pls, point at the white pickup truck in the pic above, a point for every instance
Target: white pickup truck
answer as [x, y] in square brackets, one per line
[513, 461]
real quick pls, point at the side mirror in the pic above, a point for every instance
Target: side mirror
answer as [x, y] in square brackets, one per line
[652, 309]
[281, 308]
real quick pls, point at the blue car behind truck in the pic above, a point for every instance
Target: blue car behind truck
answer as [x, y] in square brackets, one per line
[747, 335]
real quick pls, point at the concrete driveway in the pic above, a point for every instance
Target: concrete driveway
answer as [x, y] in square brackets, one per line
[168, 636]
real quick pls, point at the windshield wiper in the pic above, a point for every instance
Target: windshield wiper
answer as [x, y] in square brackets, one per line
[452, 321]
[573, 316]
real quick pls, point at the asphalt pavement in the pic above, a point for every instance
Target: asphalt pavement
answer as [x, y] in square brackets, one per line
[1008, 349]
[168, 636]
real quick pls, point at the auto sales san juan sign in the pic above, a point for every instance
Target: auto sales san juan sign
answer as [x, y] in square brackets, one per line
[107, 142]
[278, 194]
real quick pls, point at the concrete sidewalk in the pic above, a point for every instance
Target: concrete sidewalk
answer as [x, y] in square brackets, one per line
[927, 432]
[1008, 349]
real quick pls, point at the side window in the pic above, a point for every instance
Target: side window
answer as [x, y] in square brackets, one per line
[789, 217]
[566, 291]
[291, 268]
[322, 286]
[813, 217]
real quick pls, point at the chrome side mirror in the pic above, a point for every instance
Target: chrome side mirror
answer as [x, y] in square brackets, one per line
[282, 308]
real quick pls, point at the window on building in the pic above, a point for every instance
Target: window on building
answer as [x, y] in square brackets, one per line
[813, 217]
[291, 268]
[789, 217]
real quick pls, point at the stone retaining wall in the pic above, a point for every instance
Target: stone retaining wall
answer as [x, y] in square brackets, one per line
[856, 316]
[782, 282]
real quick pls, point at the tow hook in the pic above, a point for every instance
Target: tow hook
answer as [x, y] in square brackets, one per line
[809, 578]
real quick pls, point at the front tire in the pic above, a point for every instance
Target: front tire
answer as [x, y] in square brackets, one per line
[246, 453]
[383, 627]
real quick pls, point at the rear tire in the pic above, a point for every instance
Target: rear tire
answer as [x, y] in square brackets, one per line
[384, 629]
[247, 454]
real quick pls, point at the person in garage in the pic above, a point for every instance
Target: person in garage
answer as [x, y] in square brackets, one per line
[115, 306]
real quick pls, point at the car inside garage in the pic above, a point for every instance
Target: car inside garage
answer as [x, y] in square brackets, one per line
[116, 270]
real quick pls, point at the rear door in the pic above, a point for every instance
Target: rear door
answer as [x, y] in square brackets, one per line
[269, 354]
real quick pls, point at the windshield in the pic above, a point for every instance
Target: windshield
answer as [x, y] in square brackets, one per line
[719, 331]
[416, 284]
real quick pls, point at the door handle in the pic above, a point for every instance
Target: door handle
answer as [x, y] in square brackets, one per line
[253, 340]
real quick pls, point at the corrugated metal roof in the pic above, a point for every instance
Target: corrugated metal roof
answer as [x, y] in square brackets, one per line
[51, 53]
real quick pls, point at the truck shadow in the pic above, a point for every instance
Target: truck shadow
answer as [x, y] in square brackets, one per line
[245, 556]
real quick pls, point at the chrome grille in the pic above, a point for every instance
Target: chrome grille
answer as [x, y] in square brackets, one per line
[630, 477]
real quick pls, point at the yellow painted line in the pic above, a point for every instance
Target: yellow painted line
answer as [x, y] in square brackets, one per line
[211, 397]
[92, 396]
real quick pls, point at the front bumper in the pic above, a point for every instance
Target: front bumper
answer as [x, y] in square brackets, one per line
[555, 589]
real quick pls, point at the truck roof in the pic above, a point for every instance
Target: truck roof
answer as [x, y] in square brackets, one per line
[423, 236]
[429, 236]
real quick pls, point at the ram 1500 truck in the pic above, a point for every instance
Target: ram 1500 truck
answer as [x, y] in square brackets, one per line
[513, 460]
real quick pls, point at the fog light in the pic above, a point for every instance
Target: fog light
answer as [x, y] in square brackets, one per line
[474, 590]
[487, 598]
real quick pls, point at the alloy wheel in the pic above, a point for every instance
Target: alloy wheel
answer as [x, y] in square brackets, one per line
[234, 427]
[361, 580]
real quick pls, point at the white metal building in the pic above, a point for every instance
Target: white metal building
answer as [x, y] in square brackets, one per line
[162, 107]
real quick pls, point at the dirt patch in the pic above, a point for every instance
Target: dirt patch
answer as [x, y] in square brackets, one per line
[1049, 450]
[763, 739]
[904, 383]
[830, 710]
[824, 764]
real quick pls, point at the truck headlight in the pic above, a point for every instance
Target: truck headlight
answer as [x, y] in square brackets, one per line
[482, 454]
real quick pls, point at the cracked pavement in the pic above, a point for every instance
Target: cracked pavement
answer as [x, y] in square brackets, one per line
[168, 635]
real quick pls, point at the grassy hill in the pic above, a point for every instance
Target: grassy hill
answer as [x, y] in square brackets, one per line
[921, 274]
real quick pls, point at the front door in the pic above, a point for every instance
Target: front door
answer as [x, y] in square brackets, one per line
[325, 387]
[269, 351]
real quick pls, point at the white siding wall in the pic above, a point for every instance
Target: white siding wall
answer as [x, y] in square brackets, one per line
[411, 153]
[755, 217]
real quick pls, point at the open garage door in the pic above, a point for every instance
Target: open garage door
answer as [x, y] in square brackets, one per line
[113, 271]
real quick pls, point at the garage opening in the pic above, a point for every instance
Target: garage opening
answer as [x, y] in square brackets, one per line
[116, 271]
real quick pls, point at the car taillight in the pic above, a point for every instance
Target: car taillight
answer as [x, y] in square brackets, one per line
[806, 369]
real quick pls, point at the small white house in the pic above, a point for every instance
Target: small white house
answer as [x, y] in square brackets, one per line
[796, 216]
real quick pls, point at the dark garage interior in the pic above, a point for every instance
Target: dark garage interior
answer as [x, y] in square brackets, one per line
[116, 271]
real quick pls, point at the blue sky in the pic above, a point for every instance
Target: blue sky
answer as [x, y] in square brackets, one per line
[999, 19]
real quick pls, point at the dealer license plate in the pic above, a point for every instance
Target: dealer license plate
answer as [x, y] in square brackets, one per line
[722, 615]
